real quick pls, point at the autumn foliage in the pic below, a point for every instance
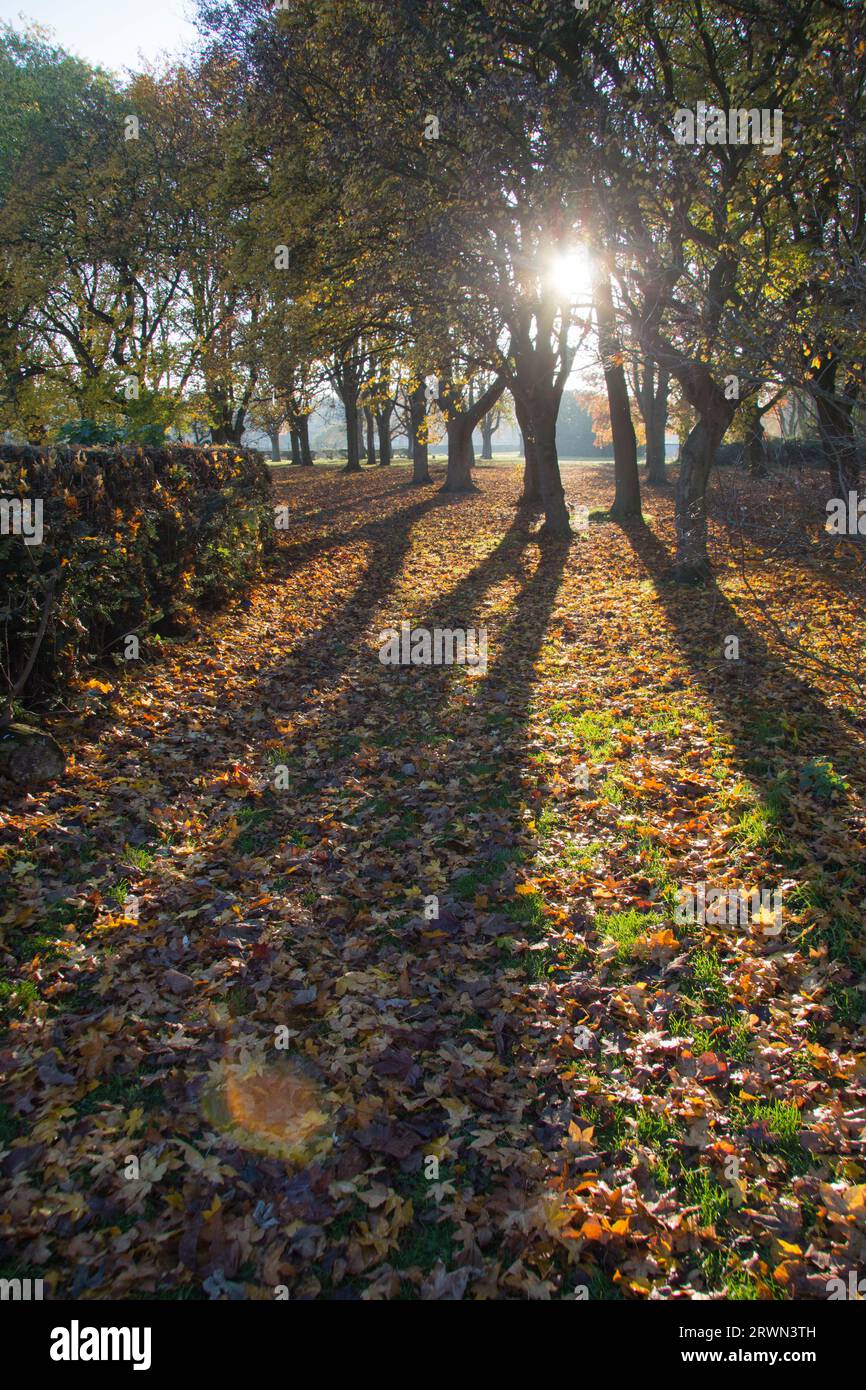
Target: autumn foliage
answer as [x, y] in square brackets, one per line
[243, 1060]
[131, 536]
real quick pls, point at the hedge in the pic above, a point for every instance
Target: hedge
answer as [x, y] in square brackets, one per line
[782, 453]
[131, 537]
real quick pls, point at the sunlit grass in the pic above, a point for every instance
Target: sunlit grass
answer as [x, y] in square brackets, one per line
[624, 928]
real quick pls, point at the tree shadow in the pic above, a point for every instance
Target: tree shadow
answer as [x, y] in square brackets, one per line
[762, 705]
[325, 649]
[453, 997]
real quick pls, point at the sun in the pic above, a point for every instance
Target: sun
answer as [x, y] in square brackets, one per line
[571, 275]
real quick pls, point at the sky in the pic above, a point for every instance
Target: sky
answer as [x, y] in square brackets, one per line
[110, 33]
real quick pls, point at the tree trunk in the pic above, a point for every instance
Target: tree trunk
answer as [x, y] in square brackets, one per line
[626, 502]
[223, 434]
[383, 426]
[556, 520]
[836, 429]
[417, 412]
[371, 437]
[696, 460]
[274, 436]
[755, 453]
[655, 423]
[296, 446]
[353, 452]
[304, 436]
[461, 423]
[487, 436]
[458, 477]
[714, 415]
[531, 495]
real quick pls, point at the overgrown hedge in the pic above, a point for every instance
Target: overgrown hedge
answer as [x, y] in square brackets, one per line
[782, 453]
[131, 537]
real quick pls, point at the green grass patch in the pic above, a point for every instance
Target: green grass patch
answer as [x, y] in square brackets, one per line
[625, 927]
[16, 996]
[127, 1092]
[240, 1001]
[759, 827]
[472, 881]
[139, 857]
[700, 1189]
[42, 938]
[818, 899]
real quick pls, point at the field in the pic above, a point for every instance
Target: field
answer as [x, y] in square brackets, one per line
[340, 979]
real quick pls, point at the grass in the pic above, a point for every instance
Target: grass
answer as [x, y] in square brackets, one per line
[593, 728]
[783, 1122]
[625, 928]
[466, 885]
[758, 828]
[700, 1189]
[528, 913]
[43, 938]
[240, 1001]
[781, 1119]
[124, 1091]
[613, 1132]
[427, 1240]
[707, 973]
[569, 956]
[818, 900]
[655, 1129]
[16, 998]
[580, 857]
[654, 863]
[848, 1005]
[120, 892]
[254, 819]
[139, 857]
[739, 1043]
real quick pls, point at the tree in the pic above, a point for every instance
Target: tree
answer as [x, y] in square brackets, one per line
[650, 385]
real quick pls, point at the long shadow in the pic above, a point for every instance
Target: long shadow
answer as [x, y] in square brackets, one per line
[749, 697]
[431, 711]
[428, 709]
[290, 555]
[318, 515]
[326, 649]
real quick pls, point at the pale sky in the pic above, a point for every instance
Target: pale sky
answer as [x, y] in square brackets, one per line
[110, 33]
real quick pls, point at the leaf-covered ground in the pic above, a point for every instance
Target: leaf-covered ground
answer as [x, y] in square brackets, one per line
[237, 1041]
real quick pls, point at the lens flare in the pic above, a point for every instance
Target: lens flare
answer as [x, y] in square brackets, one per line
[274, 1109]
